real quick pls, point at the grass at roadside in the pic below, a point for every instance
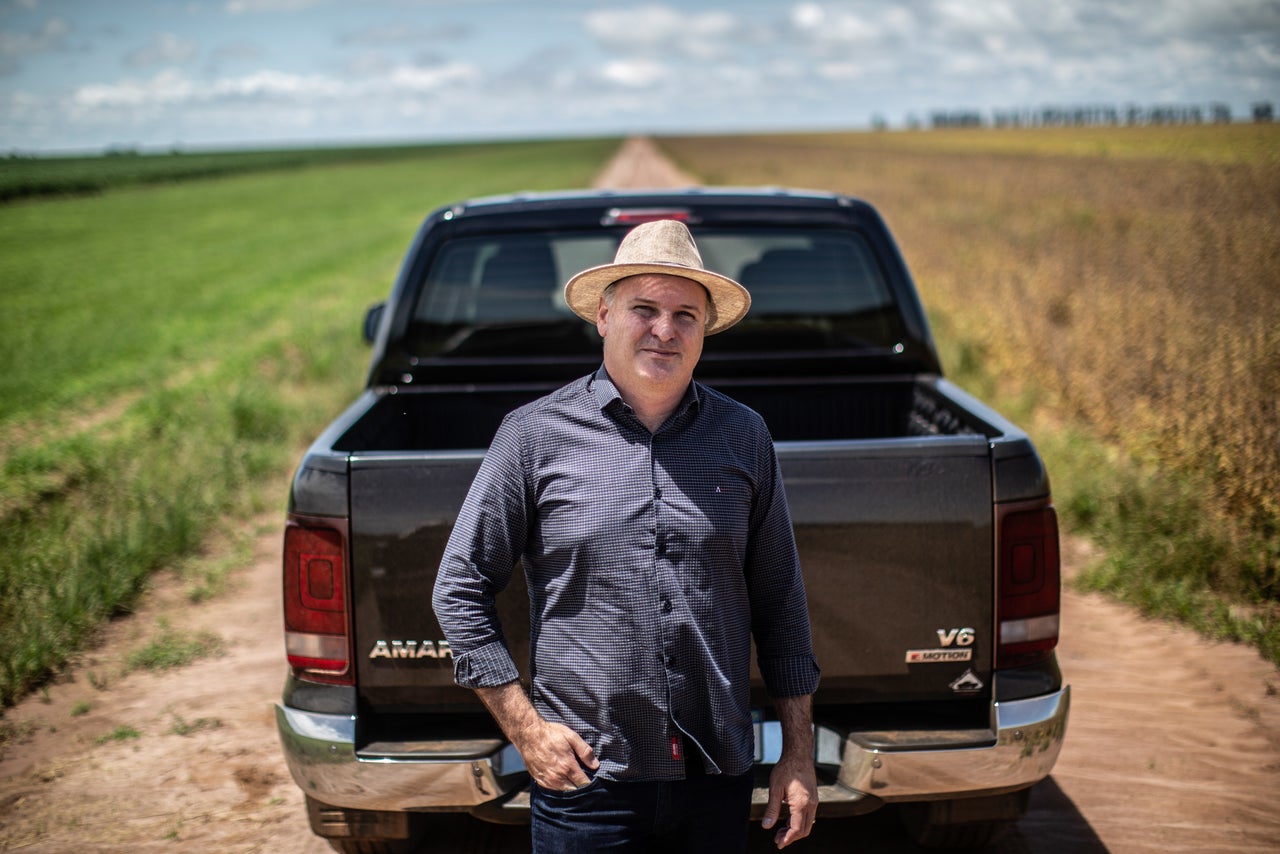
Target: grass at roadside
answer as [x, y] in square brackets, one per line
[170, 648]
[165, 352]
[1116, 291]
[1164, 549]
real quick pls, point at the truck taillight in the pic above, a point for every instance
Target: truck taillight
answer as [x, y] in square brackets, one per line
[316, 634]
[636, 216]
[1029, 584]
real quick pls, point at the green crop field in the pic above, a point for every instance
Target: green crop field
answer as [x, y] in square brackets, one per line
[28, 177]
[1117, 290]
[166, 350]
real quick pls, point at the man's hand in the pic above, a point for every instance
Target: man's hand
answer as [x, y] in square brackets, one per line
[795, 784]
[794, 781]
[554, 755]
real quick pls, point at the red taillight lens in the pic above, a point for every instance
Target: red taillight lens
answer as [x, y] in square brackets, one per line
[1029, 591]
[315, 599]
[636, 216]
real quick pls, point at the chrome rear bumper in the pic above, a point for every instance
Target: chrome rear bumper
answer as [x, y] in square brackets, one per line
[1028, 739]
[488, 775]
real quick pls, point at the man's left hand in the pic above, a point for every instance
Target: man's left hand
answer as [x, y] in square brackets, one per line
[793, 782]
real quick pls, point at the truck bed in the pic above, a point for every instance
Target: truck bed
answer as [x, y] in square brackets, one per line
[819, 409]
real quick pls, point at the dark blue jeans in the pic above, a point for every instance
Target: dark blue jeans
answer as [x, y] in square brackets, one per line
[702, 813]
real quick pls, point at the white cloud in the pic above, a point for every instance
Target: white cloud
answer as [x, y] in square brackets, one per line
[427, 79]
[963, 16]
[241, 7]
[841, 70]
[807, 16]
[819, 23]
[277, 84]
[171, 87]
[844, 26]
[635, 73]
[269, 104]
[166, 87]
[662, 29]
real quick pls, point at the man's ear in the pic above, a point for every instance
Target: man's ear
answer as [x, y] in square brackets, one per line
[602, 317]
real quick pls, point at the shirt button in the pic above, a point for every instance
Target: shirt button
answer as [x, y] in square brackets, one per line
[657, 492]
[666, 607]
[671, 661]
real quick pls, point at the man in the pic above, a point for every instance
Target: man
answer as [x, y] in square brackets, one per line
[650, 516]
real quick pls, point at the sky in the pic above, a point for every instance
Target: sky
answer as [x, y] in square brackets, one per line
[92, 75]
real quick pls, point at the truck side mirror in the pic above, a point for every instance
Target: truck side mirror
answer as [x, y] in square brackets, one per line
[372, 319]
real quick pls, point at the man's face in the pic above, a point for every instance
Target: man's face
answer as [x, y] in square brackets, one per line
[653, 330]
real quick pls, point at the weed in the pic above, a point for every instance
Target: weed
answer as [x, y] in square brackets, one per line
[82, 707]
[120, 733]
[171, 648]
[184, 728]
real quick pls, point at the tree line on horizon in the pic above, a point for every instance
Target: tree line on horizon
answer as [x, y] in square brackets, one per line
[1090, 115]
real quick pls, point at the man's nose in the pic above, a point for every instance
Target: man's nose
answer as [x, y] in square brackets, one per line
[664, 326]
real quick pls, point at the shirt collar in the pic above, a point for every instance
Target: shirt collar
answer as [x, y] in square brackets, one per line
[606, 393]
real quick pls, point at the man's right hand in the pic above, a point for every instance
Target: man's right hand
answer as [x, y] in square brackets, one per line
[554, 755]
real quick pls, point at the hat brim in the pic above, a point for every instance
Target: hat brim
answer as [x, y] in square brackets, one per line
[732, 301]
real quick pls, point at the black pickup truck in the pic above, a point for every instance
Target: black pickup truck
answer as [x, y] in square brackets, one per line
[926, 531]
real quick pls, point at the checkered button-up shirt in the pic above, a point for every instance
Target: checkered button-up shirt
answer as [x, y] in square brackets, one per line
[651, 559]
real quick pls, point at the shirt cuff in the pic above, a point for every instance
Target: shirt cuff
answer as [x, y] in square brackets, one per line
[790, 676]
[486, 667]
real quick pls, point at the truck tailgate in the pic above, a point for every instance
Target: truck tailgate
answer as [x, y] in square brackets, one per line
[895, 539]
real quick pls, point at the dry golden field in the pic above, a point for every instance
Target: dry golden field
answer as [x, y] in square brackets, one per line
[1126, 280]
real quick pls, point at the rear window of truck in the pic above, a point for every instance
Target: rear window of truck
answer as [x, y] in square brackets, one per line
[810, 290]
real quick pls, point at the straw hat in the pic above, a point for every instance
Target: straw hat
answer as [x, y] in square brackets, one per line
[663, 246]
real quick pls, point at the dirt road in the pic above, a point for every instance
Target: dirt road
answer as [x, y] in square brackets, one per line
[1173, 743]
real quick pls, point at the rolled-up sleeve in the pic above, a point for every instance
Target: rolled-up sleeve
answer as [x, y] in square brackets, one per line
[479, 558]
